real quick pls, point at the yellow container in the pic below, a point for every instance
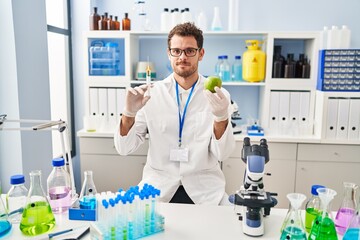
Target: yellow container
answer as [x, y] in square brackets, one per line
[254, 62]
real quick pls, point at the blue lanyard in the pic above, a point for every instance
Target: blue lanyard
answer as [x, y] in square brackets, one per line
[182, 119]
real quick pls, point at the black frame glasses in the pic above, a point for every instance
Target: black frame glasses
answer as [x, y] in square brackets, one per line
[189, 52]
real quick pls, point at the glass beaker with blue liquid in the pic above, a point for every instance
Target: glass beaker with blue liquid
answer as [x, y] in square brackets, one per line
[87, 197]
[5, 225]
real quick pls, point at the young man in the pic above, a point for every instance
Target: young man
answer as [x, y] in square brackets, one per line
[189, 128]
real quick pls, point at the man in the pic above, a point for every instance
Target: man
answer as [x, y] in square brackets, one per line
[189, 128]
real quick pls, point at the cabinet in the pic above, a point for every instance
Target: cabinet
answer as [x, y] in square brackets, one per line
[329, 165]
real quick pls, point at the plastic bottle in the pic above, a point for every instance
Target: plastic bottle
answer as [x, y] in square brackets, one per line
[278, 63]
[345, 37]
[87, 197]
[175, 17]
[306, 69]
[37, 217]
[290, 66]
[216, 22]
[333, 38]
[16, 198]
[299, 66]
[237, 69]
[186, 16]
[312, 207]
[94, 20]
[126, 23]
[225, 73]
[253, 62]
[165, 20]
[59, 187]
[217, 65]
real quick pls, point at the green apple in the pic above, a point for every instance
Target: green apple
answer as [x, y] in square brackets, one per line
[211, 82]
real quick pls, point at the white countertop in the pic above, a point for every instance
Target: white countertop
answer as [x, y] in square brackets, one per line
[183, 222]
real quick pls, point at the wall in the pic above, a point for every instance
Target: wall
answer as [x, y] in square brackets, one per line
[24, 88]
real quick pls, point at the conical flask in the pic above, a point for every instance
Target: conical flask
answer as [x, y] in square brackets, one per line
[293, 227]
[87, 196]
[5, 225]
[37, 217]
[347, 208]
[353, 231]
[323, 227]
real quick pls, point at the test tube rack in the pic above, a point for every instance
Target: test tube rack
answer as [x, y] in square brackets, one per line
[128, 214]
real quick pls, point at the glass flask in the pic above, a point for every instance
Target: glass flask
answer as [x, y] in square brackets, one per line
[312, 207]
[347, 208]
[323, 227]
[353, 230]
[5, 225]
[37, 217]
[87, 196]
[293, 227]
[16, 198]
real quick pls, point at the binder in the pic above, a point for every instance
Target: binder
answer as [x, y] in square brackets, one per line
[111, 102]
[120, 100]
[103, 102]
[274, 111]
[331, 118]
[284, 106]
[94, 101]
[343, 118]
[294, 108]
[304, 107]
[354, 119]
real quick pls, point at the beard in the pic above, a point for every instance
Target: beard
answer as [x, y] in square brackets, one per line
[185, 73]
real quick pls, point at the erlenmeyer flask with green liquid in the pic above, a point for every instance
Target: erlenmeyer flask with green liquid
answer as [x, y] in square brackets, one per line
[293, 227]
[37, 217]
[323, 227]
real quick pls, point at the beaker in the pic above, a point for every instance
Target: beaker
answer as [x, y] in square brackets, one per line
[87, 196]
[347, 208]
[5, 225]
[37, 217]
[353, 230]
[293, 227]
[323, 227]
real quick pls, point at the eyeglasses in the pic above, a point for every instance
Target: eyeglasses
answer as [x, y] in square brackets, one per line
[189, 52]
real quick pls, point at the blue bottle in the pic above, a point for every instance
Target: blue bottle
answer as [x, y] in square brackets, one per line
[225, 69]
[217, 65]
[237, 69]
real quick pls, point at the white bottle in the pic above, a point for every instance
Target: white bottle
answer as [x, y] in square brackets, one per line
[202, 21]
[165, 20]
[324, 37]
[345, 37]
[233, 19]
[186, 16]
[175, 17]
[216, 22]
[16, 198]
[333, 38]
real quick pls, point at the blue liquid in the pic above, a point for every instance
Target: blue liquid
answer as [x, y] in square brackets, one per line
[5, 227]
[88, 203]
[293, 233]
[352, 234]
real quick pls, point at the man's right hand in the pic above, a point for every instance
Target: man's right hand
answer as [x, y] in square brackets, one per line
[135, 100]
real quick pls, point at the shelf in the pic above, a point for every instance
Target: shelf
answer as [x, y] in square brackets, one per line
[242, 83]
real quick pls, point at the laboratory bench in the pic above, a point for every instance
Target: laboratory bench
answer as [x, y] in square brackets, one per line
[182, 222]
[295, 164]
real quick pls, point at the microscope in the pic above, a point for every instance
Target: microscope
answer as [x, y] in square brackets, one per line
[255, 201]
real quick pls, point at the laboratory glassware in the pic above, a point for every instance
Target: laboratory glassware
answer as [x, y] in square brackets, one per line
[216, 24]
[293, 227]
[347, 208]
[37, 217]
[323, 227]
[16, 198]
[59, 187]
[126, 22]
[353, 230]
[312, 207]
[5, 225]
[94, 19]
[237, 69]
[87, 195]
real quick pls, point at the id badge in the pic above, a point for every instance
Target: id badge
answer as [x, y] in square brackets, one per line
[179, 154]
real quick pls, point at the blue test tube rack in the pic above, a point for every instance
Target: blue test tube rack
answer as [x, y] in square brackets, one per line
[128, 214]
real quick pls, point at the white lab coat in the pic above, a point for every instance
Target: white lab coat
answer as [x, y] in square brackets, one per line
[201, 176]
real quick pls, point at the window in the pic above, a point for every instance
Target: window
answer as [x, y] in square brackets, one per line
[60, 68]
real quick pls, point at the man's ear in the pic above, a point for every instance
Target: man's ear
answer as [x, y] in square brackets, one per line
[201, 53]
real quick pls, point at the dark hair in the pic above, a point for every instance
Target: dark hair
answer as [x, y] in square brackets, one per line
[187, 29]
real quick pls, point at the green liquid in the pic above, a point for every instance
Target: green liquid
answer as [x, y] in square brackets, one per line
[323, 229]
[293, 233]
[37, 218]
[310, 216]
